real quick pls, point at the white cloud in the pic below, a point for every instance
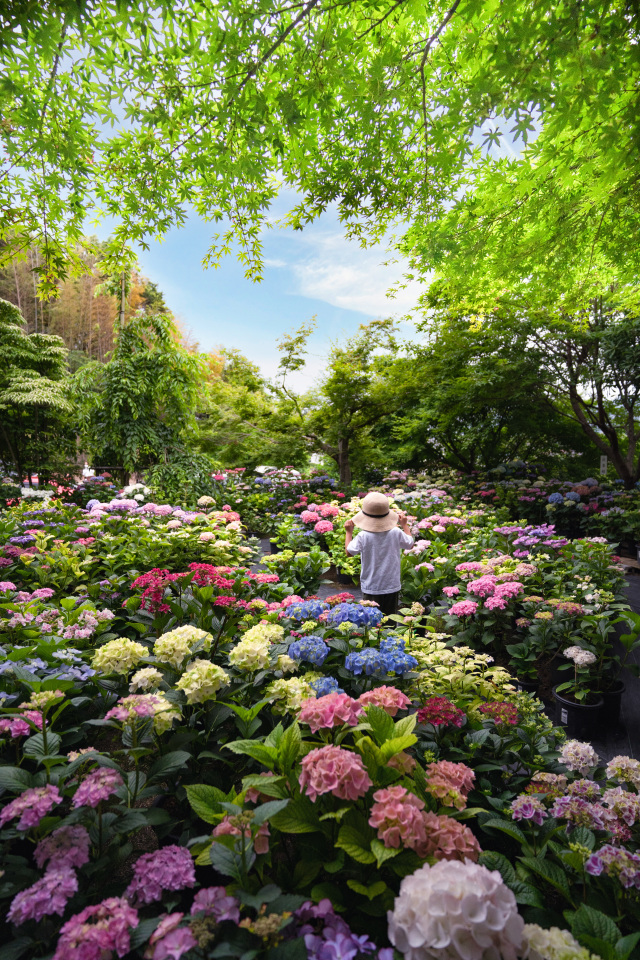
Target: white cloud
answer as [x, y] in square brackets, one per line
[345, 275]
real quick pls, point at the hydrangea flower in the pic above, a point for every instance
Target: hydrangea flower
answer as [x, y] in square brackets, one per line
[119, 656]
[449, 782]
[289, 695]
[580, 813]
[313, 649]
[325, 685]
[170, 868]
[214, 902]
[46, 896]
[176, 645]
[500, 712]
[306, 609]
[251, 653]
[578, 756]
[440, 711]
[17, 725]
[98, 785]
[201, 681]
[331, 710]
[354, 613]
[448, 839]
[553, 944]
[464, 608]
[442, 911]
[333, 770]
[98, 931]
[148, 678]
[397, 815]
[389, 698]
[65, 847]
[169, 941]
[31, 806]
[615, 862]
[141, 706]
[526, 807]
[625, 769]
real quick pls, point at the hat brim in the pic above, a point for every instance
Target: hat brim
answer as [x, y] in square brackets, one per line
[376, 524]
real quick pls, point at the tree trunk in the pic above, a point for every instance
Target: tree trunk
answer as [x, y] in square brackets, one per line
[344, 465]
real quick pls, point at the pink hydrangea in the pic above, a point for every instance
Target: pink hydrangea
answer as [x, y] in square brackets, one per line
[214, 902]
[448, 839]
[496, 602]
[170, 868]
[449, 782]
[334, 770]
[509, 589]
[389, 698]
[440, 711]
[169, 940]
[500, 713]
[97, 932]
[98, 785]
[328, 510]
[309, 516]
[6, 585]
[17, 725]
[323, 526]
[229, 827]
[330, 711]
[46, 896]
[65, 847]
[465, 608]
[397, 815]
[451, 591]
[483, 587]
[31, 806]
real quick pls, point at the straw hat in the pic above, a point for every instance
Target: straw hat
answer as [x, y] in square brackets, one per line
[375, 516]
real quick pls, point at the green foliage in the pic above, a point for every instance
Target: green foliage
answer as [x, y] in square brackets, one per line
[183, 479]
[34, 406]
[138, 407]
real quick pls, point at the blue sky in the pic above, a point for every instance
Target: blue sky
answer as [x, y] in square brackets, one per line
[316, 271]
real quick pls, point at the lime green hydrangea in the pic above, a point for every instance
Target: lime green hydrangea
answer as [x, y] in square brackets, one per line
[287, 664]
[202, 680]
[118, 656]
[148, 678]
[251, 654]
[176, 645]
[289, 694]
[272, 632]
[554, 944]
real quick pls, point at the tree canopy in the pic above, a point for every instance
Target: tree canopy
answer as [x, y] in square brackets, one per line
[396, 111]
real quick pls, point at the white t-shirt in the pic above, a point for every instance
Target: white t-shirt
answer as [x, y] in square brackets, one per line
[380, 556]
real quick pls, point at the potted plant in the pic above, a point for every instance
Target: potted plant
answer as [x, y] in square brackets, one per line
[577, 705]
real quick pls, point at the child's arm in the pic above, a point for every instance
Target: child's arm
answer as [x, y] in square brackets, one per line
[348, 535]
[403, 523]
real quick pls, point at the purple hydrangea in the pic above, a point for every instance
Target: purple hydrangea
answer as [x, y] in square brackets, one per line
[65, 847]
[214, 902]
[170, 868]
[98, 932]
[98, 785]
[526, 807]
[31, 806]
[46, 896]
[615, 861]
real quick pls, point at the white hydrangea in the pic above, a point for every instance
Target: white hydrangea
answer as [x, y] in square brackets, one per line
[251, 653]
[202, 680]
[287, 664]
[289, 694]
[118, 656]
[579, 757]
[146, 679]
[176, 645]
[456, 911]
[553, 944]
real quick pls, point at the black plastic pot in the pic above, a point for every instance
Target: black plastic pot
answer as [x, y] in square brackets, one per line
[273, 546]
[611, 703]
[628, 548]
[580, 720]
[344, 579]
[526, 686]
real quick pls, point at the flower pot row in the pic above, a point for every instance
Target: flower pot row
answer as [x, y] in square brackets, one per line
[584, 721]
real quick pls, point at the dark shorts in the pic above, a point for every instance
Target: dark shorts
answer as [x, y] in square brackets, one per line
[388, 602]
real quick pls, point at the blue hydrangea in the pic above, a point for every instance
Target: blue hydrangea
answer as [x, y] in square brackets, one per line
[307, 610]
[379, 662]
[326, 685]
[556, 498]
[313, 649]
[354, 613]
[572, 495]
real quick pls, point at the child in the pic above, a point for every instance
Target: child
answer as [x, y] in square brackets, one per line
[379, 544]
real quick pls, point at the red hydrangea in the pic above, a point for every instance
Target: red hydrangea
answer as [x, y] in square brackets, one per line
[440, 711]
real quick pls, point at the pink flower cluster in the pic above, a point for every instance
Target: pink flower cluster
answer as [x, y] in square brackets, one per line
[451, 591]
[330, 711]
[398, 816]
[97, 932]
[65, 847]
[333, 770]
[450, 782]
[440, 712]
[500, 712]
[526, 807]
[228, 827]
[17, 725]
[389, 698]
[31, 806]
[169, 940]
[448, 839]
[46, 896]
[170, 868]
[98, 785]
[323, 526]
[465, 608]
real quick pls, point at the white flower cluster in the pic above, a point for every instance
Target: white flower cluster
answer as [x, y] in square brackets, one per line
[137, 490]
[176, 645]
[553, 944]
[201, 681]
[456, 911]
[118, 656]
[148, 678]
[578, 756]
[581, 658]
